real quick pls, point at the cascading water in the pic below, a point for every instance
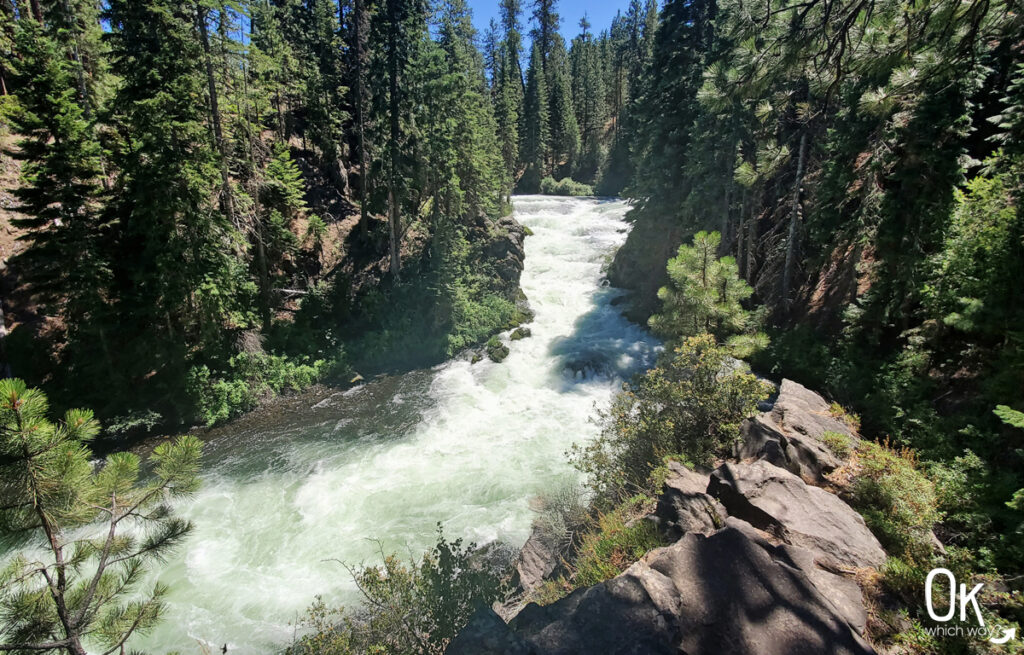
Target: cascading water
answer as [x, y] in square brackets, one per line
[284, 499]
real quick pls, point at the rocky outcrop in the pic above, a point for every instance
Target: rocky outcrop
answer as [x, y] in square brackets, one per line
[775, 500]
[538, 561]
[684, 505]
[723, 593]
[790, 435]
[504, 251]
[762, 561]
[639, 265]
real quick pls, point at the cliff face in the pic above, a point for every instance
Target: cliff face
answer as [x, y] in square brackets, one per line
[761, 561]
[825, 287]
[639, 265]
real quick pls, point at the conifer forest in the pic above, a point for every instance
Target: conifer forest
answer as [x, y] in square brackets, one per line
[489, 331]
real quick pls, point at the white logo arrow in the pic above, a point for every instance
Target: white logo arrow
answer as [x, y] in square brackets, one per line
[1007, 636]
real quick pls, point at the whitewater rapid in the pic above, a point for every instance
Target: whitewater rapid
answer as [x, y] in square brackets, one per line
[344, 477]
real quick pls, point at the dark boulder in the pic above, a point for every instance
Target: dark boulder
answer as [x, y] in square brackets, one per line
[775, 500]
[790, 435]
[684, 505]
[496, 350]
[487, 634]
[724, 593]
[520, 333]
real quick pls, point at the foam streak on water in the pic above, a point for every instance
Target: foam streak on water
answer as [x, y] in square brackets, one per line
[466, 445]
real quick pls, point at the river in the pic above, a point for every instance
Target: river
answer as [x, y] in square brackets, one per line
[289, 494]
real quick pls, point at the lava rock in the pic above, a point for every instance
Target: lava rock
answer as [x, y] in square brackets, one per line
[684, 505]
[775, 500]
[789, 436]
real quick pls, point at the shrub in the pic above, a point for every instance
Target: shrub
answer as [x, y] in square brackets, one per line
[838, 443]
[690, 405]
[217, 398]
[562, 519]
[897, 500]
[838, 412]
[409, 607]
[564, 187]
[621, 538]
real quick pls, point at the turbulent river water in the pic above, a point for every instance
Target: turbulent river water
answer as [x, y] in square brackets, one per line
[289, 494]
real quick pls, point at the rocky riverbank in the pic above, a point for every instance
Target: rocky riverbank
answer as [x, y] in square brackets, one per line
[764, 557]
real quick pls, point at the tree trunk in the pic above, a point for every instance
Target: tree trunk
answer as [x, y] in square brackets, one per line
[264, 273]
[37, 12]
[794, 220]
[227, 198]
[725, 245]
[358, 20]
[394, 217]
[83, 97]
[5, 364]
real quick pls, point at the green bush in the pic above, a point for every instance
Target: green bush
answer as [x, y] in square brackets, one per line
[411, 608]
[897, 500]
[620, 538]
[549, 186]
[219, 397]
[690, 405]
[840, 444]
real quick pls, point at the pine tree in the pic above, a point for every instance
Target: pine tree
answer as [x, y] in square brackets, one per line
[588, 100]
[536, 126]
[509, 90]
[181, 280]
[704, 295]
[68, 260]
[545, 32]
[476, 157]
[88, 586]
[399, 28]
[492, 52]
[359, 63]
[565, 134]
[513, 43]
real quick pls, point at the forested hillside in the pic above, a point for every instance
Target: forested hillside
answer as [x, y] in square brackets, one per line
[214, 201]
[863, 163]
[224, 200]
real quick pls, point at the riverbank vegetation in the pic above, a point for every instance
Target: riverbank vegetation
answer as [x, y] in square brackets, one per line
[220, 201]
[214, 202]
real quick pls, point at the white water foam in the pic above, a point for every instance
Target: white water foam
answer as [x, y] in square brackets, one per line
[464, 444]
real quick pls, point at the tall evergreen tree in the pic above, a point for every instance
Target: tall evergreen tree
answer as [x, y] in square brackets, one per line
[68, 259]
[565, 132]
[180, 280]
[588, 101]
[545, 31]
[399, 28]
[536, 124]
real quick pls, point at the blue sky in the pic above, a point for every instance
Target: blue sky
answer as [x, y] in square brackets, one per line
[599, 13]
